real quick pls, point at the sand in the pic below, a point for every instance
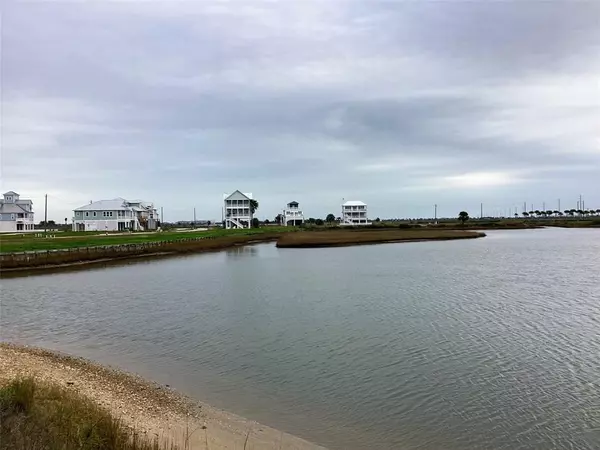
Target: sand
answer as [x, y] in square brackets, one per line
[152, 409]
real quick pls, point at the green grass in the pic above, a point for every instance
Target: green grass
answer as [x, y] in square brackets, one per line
[29, 242]
[40, 416]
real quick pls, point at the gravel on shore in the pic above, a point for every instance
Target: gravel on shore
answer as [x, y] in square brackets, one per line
[150, 408]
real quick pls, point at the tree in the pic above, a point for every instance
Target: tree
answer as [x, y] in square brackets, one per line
[525, 214]
[319, 222]
[532, 213]
[463, 216]
[538, 213]
[279, 219]
[516, 215]
[267, 222]
[255, 223]
[253, 206]
[330, 218]
[311, 220]
[378, 220]
[549, 212]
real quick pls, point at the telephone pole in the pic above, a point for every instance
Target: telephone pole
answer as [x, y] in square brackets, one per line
[481, 211]
[194, 218]
[435, 213]
[45, 213]
[161, 215]
[559, 205]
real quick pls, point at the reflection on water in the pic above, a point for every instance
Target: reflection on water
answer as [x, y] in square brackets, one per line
[486, 344]
[234, 252]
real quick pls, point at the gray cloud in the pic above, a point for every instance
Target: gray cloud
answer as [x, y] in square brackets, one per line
[399, 104]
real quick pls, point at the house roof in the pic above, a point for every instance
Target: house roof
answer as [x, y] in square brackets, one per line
[116, 204]
[238, 195]
[293, 202]
[12, 208]
[10, 193]
[354, 203]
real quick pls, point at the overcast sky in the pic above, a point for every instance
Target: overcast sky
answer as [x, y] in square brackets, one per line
[400, 104]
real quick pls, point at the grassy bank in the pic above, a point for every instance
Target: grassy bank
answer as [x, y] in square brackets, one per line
[344, 237]
[30, 242]
[78, 256]
[39, 415]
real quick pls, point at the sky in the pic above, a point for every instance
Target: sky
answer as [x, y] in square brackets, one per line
[400, 104]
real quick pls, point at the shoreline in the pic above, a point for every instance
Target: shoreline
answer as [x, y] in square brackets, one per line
[347, 238]
[152, 409]
[208, 246]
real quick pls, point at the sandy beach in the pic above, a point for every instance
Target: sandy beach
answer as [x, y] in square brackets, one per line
[152, 409]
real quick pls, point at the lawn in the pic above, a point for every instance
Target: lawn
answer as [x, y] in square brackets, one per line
[30, 242]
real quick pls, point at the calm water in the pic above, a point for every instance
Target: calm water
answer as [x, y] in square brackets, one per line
[484, 344]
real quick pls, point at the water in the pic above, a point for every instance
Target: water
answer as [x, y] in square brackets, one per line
[482, 344]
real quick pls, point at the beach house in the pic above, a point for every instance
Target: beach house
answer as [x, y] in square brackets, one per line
[116, 215]
[16, 214]
[237, 210]
[292, 215]
[354, 212]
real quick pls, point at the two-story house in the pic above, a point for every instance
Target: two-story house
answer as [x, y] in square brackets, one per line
[354, 213]
[292, 215]
[116, 215]
[16, 214]
[237, 210]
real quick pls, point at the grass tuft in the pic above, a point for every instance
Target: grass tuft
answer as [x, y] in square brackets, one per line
[40, 416]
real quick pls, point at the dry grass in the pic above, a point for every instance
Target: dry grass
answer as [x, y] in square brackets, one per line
[336, 238]
[40, 416]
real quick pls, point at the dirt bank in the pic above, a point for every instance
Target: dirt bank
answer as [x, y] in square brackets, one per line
[152, 409]
[337, 238]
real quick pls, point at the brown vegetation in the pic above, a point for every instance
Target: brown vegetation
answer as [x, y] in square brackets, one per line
[341, 237]
[40, 415]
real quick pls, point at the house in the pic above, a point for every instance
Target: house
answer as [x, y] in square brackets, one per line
[292, 215]
[15, 214]
[116, 215]
[237, 211]
[354, 213]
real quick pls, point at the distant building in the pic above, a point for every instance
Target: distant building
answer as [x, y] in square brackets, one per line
[116, 215]
[15, 214]
[292, 215]
[237, 212]
[354, 213]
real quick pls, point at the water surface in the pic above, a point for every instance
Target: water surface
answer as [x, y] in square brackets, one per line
[490, 343]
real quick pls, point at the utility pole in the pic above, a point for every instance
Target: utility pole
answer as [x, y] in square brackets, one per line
[161, 215]
[481, 211]
[580, 204]
[544, 206]
[435, 213]
[45, 213]
[559, 205]
[194, 218]
[524, 206]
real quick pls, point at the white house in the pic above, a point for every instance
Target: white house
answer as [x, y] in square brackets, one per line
[292, 215]
[354, 213]
[116, 215]
[237, 212]
[15, 214]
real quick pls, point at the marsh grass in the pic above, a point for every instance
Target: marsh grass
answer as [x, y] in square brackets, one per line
[39, 416]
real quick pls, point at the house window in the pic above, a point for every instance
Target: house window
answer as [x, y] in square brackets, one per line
[94, 213]
[12, 217]
[87, 214]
